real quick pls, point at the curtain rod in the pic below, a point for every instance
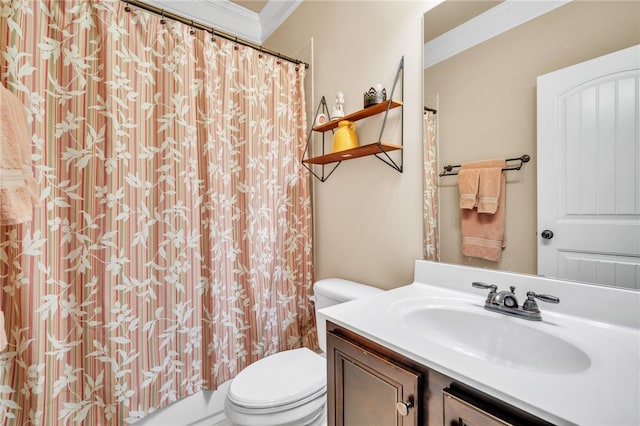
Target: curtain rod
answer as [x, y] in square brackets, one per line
[214, 32]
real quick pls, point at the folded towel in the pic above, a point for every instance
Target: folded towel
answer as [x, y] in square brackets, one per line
[18, 193]
[483, 234]
[500, 162]
[489, 189]
[483, 227]
[489, 172]
[468, 187]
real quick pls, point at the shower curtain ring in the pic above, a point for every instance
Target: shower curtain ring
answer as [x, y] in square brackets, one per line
[162, 20]
[192, 31]
[127, 8]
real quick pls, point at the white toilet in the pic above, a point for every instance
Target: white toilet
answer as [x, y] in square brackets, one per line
[290, 387]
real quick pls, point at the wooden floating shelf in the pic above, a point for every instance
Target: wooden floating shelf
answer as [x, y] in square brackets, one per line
[359, 115]
[350, 154]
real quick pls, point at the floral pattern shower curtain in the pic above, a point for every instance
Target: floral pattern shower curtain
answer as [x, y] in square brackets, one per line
[173, 245]
[431, 245]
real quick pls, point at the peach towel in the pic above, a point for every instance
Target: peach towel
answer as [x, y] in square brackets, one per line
[483, 233]
[468, 187]
[18, 193]
[489, 189]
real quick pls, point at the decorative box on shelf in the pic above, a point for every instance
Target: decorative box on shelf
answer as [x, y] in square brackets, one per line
[375, 95]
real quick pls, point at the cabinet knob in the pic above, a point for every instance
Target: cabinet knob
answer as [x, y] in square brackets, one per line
[403, 407]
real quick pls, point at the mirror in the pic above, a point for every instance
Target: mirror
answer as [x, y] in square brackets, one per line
[481, 74]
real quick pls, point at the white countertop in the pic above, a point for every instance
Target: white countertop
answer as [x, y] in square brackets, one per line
[606, 392]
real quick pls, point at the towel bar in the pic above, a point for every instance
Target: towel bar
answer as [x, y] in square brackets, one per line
[448, 170]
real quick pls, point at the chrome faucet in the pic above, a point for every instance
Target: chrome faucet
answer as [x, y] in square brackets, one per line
[506, 302]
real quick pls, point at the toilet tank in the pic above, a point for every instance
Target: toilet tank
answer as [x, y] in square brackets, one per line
[333, 291]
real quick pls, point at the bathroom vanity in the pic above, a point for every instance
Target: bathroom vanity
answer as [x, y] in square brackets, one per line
[368, 384]
[429, 354]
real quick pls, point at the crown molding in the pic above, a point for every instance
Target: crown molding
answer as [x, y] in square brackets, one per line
[221, 15]
[230, 18]
[274, 14]
[497, 20]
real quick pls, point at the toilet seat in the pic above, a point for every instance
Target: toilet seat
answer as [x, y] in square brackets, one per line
[288, 388]
[281, 381]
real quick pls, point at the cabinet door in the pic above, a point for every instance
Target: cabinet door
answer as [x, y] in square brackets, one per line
[366, 389]
[460, 413]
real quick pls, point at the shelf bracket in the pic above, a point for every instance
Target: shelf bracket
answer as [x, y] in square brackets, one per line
[387, 159]
[324, 175]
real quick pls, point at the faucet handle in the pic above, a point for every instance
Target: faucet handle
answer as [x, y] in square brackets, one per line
[544, 297]
[531, 305]
[492, 293]
[491, 287]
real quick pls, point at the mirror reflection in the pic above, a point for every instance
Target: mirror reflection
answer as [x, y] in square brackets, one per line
[481, 70]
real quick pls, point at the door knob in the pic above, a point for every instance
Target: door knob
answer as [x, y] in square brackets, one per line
[403, 407]
[547, 234]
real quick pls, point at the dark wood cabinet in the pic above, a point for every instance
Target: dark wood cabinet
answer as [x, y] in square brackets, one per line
[370, 385]
[371, 390]
[366, 382]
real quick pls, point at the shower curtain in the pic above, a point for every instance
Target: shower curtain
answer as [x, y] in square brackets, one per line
[431, 246]
[173, 245]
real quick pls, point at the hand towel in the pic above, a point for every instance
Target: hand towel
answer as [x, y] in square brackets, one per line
[18, 193]
[487, 184]
[468, 187]
[483, 234]
[489, 189]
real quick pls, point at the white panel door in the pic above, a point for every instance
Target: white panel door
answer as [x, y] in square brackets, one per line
[589, 171]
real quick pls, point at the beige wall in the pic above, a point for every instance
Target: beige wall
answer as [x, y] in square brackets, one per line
[367, 215]
[487, 109]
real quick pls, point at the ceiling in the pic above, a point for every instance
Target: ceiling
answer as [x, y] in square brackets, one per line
[250, 20]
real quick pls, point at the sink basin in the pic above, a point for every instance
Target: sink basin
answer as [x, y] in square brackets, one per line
[496, 338]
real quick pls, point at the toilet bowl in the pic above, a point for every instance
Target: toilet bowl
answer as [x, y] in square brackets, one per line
[290, 387]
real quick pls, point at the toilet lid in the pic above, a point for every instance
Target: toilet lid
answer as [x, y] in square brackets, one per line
[279, 379]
